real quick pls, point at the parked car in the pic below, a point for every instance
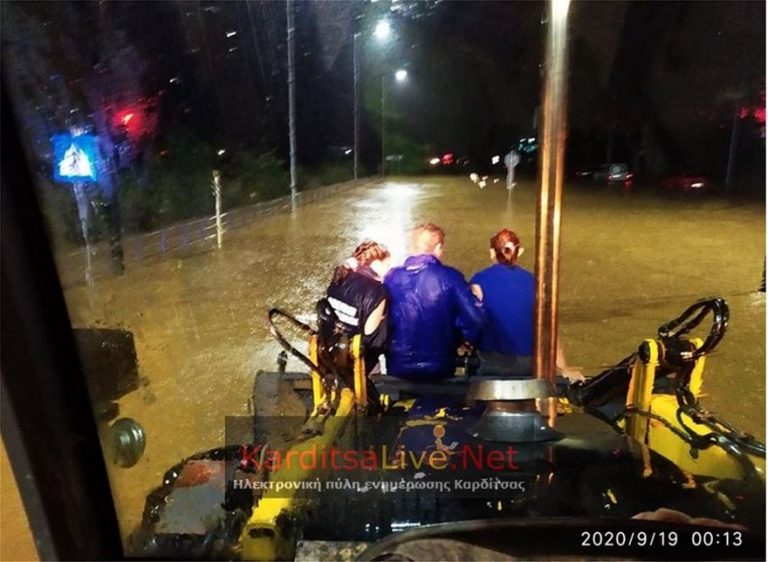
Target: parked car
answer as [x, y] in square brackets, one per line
[613, 173]
[686, 181]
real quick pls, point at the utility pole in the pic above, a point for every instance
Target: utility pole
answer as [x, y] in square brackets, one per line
[356, 109]
[291, 99]
[383, 122]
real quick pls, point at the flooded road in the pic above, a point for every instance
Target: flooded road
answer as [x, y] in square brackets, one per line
[629, 263]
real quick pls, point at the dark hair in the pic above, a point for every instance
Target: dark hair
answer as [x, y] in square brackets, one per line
[506, 246]
[365, 253]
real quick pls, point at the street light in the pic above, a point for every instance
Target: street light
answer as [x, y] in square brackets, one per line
[400, 76]
[382, 30]
[355, 109]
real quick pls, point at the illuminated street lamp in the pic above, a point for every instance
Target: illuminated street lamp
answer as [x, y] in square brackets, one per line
[382, 30]
[400, 76]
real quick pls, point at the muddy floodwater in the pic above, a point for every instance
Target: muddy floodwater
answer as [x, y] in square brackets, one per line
[629, 263]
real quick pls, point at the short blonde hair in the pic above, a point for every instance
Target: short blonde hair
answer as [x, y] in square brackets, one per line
[425, 238]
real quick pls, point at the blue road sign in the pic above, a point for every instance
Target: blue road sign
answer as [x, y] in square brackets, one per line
[76, 157]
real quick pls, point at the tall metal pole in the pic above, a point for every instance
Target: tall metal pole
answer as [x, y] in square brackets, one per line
[217, 198]
[553, 134]
[356, 109]
[383, 120]
[732, 149]
[741, 96]
[291, 98]
[82, 212]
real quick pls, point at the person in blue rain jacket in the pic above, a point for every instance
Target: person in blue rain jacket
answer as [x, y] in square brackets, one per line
[432, 311]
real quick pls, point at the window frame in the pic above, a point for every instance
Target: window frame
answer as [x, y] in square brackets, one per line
[48, 426]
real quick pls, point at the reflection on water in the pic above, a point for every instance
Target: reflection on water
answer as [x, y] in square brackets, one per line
[628, 265]
[389, 217]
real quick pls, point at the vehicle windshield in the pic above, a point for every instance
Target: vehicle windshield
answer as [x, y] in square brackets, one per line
[200, 162]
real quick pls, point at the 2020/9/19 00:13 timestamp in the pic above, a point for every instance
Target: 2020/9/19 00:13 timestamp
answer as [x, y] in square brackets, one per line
[662, 538]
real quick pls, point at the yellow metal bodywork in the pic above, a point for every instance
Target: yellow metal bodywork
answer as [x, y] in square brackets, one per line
[317, 381]
[263, 537]
[267, 537]
[713, 461]
[640, 392]
[360, 383]
[359, 386]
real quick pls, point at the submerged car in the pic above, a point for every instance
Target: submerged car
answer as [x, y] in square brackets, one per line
[686, 181]
[613, 173]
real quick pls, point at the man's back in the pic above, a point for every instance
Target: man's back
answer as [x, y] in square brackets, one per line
[432, 311]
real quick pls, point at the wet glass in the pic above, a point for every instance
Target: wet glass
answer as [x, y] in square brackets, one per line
[161, 137]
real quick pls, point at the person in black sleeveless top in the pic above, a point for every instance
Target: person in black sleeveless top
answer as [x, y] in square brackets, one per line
[359, 300]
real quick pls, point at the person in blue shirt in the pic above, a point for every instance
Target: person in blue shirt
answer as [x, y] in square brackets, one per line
[432, 311]
[508, 293]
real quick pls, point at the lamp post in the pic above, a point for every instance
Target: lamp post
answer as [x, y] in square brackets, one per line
[291, 99]
[381, 32]
[400, 76]
[383, 152]
[356, 109]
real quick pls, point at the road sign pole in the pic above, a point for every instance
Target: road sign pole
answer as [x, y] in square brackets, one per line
[82, 212]
[217, 196]
[290, 32]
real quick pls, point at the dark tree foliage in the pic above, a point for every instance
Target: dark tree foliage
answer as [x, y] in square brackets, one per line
[657, 85]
